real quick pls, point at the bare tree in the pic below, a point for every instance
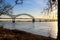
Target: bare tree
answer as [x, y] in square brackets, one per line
[50, 3]
[4, 7]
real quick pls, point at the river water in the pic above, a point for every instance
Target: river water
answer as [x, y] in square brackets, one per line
[40, 28]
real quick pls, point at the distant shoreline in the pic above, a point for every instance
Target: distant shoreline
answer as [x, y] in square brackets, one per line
[28, 19]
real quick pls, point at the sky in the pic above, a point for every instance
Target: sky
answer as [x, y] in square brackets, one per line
[32, 7]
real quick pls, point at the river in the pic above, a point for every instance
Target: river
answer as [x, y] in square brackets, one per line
[40, 28]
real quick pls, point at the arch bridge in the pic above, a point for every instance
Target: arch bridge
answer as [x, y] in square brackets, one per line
[14, 16]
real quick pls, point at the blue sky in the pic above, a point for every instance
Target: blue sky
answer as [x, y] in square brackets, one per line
[32, 7]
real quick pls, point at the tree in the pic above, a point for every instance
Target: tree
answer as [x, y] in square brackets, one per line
[4, 7]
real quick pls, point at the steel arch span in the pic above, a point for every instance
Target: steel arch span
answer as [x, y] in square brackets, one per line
[33, 19]
[14, 16]
[26, 15]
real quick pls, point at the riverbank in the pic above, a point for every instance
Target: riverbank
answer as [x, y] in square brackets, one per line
[7, 34]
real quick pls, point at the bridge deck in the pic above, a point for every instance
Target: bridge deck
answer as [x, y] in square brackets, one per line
[28, 20]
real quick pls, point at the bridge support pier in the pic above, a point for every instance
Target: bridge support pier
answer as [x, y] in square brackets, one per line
[13, 20]
[33, 20]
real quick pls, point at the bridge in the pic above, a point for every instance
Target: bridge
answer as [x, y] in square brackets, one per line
[14, 17]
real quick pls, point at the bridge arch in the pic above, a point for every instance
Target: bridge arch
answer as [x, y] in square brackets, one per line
[14, 16]
[7, 15]
[25, 14]
[33, 19]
